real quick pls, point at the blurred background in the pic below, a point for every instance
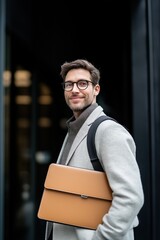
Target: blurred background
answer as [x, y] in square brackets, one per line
[121, 38]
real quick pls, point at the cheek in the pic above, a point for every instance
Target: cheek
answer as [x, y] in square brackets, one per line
[90, 96]
[93, 94]
[65, 95]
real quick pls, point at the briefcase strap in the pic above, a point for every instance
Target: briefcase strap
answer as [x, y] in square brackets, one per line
[49, 228]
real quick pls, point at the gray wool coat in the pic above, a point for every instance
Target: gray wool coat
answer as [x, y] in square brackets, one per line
[117, 152]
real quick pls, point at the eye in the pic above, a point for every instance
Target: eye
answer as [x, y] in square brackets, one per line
[68, 84]
[82, 83]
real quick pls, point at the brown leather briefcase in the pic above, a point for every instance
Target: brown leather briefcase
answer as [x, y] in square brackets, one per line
[75, 196]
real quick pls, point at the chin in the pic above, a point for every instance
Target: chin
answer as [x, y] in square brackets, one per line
[77, 109]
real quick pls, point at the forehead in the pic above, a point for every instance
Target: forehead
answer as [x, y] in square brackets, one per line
[76, 74]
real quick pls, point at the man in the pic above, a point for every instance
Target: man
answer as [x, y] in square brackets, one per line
[116, 151]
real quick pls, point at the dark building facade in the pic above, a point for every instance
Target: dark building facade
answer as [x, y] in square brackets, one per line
[122, 38]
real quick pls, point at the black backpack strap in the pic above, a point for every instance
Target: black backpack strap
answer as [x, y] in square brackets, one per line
[91, 142]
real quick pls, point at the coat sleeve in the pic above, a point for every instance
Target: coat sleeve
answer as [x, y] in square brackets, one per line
[117, 152]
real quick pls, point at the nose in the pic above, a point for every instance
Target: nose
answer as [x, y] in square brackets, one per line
[75, 88]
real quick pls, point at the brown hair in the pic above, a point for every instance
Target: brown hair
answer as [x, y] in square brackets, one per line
[81, 63]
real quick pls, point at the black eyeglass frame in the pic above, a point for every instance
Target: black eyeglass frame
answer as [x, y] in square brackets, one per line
[72, 83]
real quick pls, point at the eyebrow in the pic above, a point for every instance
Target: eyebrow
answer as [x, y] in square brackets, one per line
[78, 80]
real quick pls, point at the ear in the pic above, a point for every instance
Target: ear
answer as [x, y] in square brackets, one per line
[97, 89]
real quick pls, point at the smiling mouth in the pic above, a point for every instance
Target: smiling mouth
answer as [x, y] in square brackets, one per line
[75, 100]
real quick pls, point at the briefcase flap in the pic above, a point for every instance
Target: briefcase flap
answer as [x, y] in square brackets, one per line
[78, 181]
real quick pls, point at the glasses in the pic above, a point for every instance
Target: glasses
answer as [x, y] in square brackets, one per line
[81, 85]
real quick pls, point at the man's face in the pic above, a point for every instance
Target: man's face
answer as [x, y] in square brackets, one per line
[78, 99]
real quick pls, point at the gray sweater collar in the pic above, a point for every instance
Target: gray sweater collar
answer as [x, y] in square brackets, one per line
[75, 124]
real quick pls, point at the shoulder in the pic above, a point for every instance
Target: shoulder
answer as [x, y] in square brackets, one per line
[111, 124]
[112, 131]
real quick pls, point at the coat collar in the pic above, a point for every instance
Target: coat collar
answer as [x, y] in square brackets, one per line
[83, 131]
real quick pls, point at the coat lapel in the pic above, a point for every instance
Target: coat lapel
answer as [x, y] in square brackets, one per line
[82, 133]
[79, 137]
